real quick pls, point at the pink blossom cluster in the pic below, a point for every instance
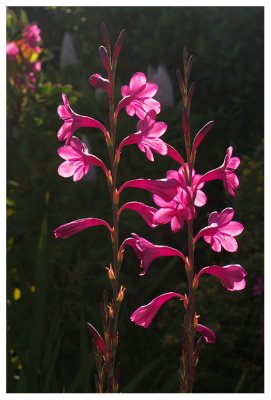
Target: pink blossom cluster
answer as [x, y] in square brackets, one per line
[176, 197]
[24, 54]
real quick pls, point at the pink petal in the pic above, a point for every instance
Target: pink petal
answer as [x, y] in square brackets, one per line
[71, 228]
[131, 139]
[176, 223]
[144, 315]
[146, 212]
[231, 276]
[137, 81]
[64, 112]
[158, 129]
[208, 335]
[206, 232]
[165, 188]
[65, 131]
[225, 216]
[232, 228]
[213, 217]
[68, 168]
[81, 171]
[69, 153]
[200, 199]
[215, 245]
[125, 91]
[159, 201]
[97, 338]
[152, 104]
[229, 243]
[164, 215]
[150, 90]
[131, 110]
[233, 163]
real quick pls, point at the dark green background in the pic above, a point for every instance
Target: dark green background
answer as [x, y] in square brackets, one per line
[48, 346]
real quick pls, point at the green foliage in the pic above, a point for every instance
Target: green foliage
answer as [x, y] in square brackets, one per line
[59, 283]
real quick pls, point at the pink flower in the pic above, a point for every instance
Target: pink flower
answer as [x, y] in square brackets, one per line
[73, 121]
[144, 315]
[138, 96]
[78, 160]
[231, 276]
[145, 211]
[180, 208]
[71, 228]
[221, 231]
[97, 338]
[12, 50]
[31, 35]
[176, 211]
[147, 252]
[165, 188]
[147, 137]
[97, 81]
[207, 333]
[225, 172]
[36, 66]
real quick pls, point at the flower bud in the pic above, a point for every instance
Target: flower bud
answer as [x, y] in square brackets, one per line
[121, 294]
[111, 274]
[110, 311]
[97, 81]
[196, 317]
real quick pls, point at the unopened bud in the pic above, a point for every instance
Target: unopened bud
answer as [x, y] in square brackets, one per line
[196, 317]
[185, 302]
[116, 197]
[195, 282]
[111, 274]
[97, 81]
[120, 256]
[121, 294]
[109, 177]
[110, 311]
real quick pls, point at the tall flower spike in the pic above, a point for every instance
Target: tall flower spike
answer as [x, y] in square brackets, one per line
[78, 160]
[138, 97]
[221, 231]
[144, 315]
[147, 136]
[73, 121]
[147, 252]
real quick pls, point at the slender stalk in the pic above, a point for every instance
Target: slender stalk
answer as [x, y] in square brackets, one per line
[114, 307]
[187, 362]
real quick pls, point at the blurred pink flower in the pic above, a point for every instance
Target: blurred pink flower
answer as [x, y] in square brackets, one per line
[31, 35]
[12, 50]
[72, 228]
[225, 172]
[138, 97]
[78, 160]
[221, 231]
[147, 137]
[73, 121]
[232, 277]
[207, 333]
[142, 209]
[144, 315]
[147, 252]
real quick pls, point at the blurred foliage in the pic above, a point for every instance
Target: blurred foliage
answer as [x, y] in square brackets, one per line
[55, 286]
